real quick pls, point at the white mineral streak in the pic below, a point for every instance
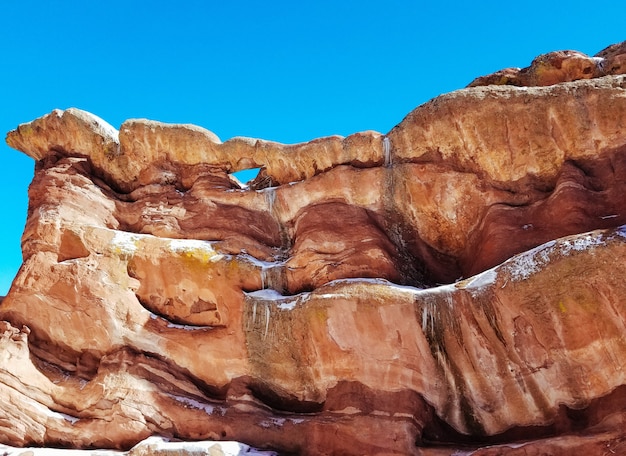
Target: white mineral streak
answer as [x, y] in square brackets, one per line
[270, 199]
[428, 317]
[267, 271]
[267, 321]
[387, 160]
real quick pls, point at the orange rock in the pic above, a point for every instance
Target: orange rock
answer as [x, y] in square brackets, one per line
[560, 66]
[456, 283]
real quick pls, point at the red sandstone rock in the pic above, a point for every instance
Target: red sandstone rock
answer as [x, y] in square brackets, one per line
[160, 297]
[560, 66]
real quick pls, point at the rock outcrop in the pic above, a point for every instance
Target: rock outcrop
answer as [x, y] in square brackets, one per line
[455, 284]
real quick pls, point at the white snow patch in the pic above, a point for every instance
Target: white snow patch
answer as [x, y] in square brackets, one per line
[268, 270]
[350, 410]
[581, 243]
[66, 417]
[126, 242]
[282, 302]
[373, 281]
[51, 413]
[328, 295]
[154, 316]
[503, 445]
[278, 422]
[296, 420]
[599, 62]
[101, 126]
[267, 294]
[30, 451]
[260, 263]
[288, 305]
[186, 327]
[482, 280]
[228, 448]
[208, 408]
[528, 263]
[447, 288]
[189, 245]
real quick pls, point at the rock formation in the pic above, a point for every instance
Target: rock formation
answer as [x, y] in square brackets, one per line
[455, 284]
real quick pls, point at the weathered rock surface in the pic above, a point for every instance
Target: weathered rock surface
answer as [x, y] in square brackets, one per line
[455, 284]
[560, 66]
[152, 446]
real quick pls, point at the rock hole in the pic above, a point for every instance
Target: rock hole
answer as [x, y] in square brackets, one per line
[245, 176]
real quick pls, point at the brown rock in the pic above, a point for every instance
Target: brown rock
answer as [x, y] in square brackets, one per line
[560, 66]
[160, 297]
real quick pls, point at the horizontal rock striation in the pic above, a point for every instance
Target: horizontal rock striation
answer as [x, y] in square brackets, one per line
[453, 284]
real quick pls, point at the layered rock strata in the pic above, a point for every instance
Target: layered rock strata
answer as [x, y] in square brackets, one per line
[455, 283]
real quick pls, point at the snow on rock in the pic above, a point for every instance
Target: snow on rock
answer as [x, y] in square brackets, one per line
[525, 264]
[327, 317]
[152, 446]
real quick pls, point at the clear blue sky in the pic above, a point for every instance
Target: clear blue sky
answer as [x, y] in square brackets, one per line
[281, 70]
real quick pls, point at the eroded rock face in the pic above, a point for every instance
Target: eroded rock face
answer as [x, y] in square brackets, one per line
[455, 283]
[560, 66]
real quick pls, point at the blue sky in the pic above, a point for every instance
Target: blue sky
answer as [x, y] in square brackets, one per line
[283, 71]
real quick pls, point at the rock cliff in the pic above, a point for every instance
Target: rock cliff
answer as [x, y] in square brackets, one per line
[456, 284]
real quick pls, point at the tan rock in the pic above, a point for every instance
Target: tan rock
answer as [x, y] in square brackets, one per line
[456, 283]
[560, 66]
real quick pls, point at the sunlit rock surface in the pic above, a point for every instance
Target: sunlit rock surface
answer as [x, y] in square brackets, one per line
[152, 446]
[454, 285]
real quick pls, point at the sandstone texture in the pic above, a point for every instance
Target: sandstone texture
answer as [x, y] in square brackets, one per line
[455, 286]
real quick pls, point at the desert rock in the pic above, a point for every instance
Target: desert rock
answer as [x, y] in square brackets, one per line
[456, 283]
